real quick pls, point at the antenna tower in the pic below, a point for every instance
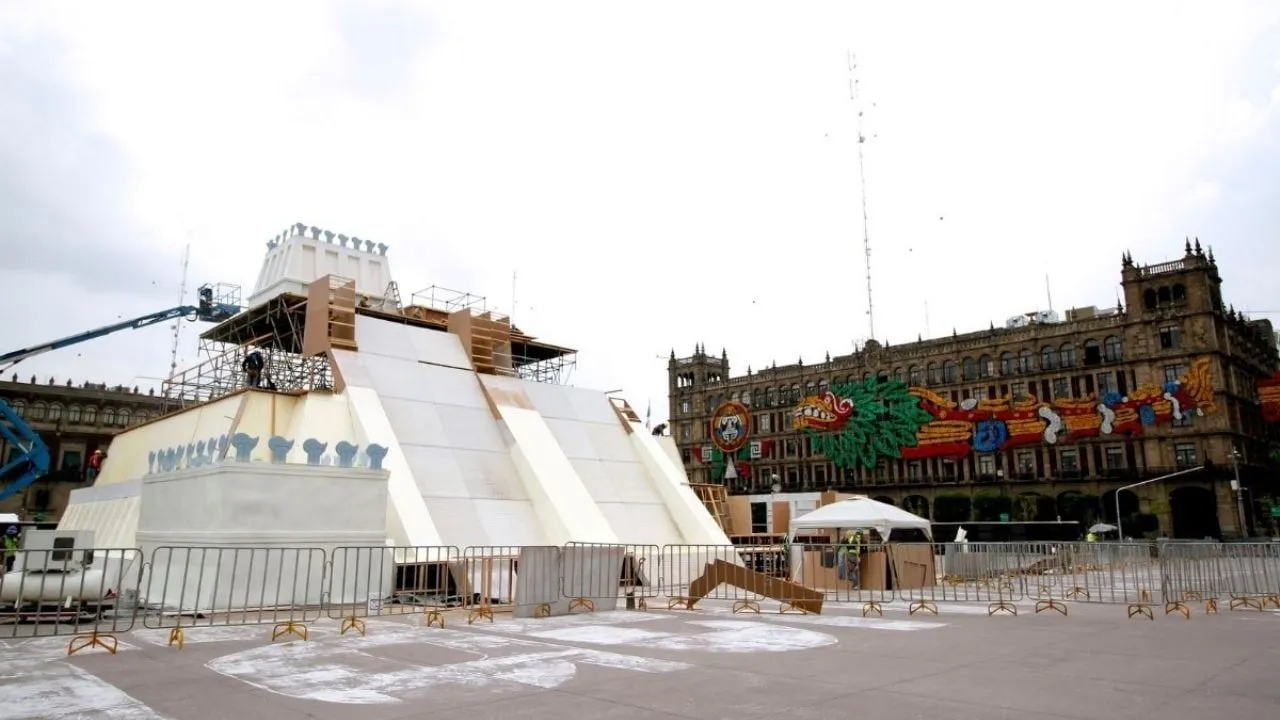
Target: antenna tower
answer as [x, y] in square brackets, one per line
[855, 96]
[177, 324]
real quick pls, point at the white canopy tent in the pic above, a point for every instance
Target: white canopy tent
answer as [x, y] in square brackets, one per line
[861, 512]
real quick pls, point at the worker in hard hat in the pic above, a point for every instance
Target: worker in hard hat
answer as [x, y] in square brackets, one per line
[850, 557]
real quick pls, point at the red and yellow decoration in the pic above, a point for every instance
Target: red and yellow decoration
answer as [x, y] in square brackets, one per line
[1269, 397]
[730, 427]
[822, 412]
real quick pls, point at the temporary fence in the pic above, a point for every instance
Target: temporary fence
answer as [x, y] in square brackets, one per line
[185, 587]
[94, 594]
[368, 582]
[597, 575]
[88, 594]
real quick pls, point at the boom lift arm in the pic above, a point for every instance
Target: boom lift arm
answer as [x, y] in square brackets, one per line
[32, 454]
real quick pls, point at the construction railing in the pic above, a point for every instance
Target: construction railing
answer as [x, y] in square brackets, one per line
[95, 594]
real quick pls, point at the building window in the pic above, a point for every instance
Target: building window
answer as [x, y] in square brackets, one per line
[935, 376]
[1106, 384]
[1026, 460]
[764, 422]
[1048, 358]
[38, 411]
[1115, 457]
[1184, 455]
[108, 416]
[73, 414]
[90, 415]
[1017, 390]
[1069, 461]
[1092, 353]
[686, 431]
[122, 419]
[1112, 349]
[987, 465]
[746, 398]
[770, 397]
[949, 371]
[1174, 373]
[913, 375]
[969, 369]
[1179, 293]
[1170, 337]
[1026, 361]
[1182, 422]
[1067, 354]
[55, 412]
[141, 416]
[1007, 364]
[71, 460]
[913, 471]
[1061, 388]
[985, 367]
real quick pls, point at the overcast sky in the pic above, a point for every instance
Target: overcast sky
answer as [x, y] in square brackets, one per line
[658, 174]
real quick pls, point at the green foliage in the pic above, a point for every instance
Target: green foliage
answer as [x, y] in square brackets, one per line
[885, 419]
[916, 505]
[717, 461]
[1079, 507]
[951, 507]
[988, 507]
[1034, 507]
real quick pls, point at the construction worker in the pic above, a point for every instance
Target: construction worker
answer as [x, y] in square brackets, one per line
[95, 464]
[850, 557]
[10, 547]
[1091, 537]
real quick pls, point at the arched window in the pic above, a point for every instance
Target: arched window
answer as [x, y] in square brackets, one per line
[1149, 299]
[898, 375]
[810, 388]
[73, 414]
[969, 369]
[934, 375]
[823, 386]
[141, 416]
[1112, 349]
[1026, 361]
[985, 368]
[1179, 293]
[108, 416]
[90, 415]
[1164, 295]
[882, 376]
[1067, 354]
[123, 417]
[20, 408]
[55, 412]
[38, 411]
[1007, 364]
[746, 400]
[949, 371]
[1092, 352]
[770, 397]
[913, 375]
[1048, 358]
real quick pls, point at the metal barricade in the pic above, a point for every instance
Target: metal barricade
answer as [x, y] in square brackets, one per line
[186, 587]
[382, 581]
[599, 574]
[915, 575]
[983, 572]
[841, 576]
[1250, 574]
[523, 580]
[86, 593]
[692, 573]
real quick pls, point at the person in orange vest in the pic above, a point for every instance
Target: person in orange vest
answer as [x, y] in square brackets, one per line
[95, 464]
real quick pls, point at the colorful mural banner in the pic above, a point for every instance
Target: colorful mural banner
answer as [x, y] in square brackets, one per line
[730, 427]
[862, 423]
[1269, 397]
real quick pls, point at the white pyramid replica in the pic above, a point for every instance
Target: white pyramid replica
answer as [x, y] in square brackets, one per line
[429, 410]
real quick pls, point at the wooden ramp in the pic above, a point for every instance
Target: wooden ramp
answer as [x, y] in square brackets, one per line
[791, 595]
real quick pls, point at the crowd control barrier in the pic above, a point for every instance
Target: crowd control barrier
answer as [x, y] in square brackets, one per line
[88, 594]
[595, 576]
[186, 587]
[368, 582]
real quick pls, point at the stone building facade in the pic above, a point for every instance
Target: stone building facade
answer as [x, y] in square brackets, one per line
[73, 420]
[1172, 335]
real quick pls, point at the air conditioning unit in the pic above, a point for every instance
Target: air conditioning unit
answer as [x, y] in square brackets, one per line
[57, 550]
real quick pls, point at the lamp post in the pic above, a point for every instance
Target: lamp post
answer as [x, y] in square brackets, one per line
[1119, 525]
[1235, 486]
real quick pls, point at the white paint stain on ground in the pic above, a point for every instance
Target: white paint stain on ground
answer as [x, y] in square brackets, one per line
[36, 681]
[726, 636]
[612, 617]
[862, 623]
[350, 671]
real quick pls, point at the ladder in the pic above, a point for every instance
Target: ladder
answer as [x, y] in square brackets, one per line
[391, 299]
[716, 500]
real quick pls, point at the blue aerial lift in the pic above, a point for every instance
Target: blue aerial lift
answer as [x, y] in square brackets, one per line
[32, 458]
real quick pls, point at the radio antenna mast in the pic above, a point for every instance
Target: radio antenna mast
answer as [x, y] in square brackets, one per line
[177, 324]
[855, 96]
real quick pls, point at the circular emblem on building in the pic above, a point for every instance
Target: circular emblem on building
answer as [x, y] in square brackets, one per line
[730, 425]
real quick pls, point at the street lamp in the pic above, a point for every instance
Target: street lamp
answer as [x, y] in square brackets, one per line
[1235, 486]
[1119, 524]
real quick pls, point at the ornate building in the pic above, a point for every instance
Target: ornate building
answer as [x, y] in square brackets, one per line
[73, 420]
[1038, 420]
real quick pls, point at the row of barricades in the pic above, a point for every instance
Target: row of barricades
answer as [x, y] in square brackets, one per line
[111, 590]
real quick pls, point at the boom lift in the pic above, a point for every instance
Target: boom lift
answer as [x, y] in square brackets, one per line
[32, 456]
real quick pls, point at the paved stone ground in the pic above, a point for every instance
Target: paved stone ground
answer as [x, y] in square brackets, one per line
[707, 664]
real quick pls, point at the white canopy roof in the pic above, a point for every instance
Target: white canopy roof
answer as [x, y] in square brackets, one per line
[860, 512]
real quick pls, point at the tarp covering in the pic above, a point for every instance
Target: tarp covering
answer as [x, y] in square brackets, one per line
[860, 512]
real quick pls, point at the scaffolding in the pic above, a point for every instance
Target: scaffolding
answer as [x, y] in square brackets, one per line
[274, 330]
[446, 300]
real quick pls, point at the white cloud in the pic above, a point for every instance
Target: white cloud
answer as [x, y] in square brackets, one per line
[686, 173]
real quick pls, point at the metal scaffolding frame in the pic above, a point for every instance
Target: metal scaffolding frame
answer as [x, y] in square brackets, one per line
[274, 330]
